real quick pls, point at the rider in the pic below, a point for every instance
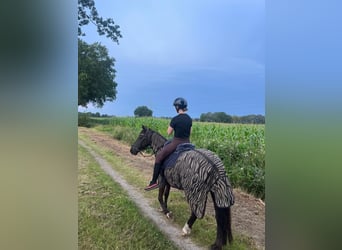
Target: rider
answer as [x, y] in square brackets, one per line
[181, 126]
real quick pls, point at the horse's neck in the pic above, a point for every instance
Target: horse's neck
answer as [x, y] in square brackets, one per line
[158, 142]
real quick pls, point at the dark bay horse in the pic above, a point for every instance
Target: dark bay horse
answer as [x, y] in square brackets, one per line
[197, 172]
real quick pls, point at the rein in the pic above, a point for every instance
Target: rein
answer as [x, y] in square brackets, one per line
[150, 155]
[155, 151]
[144, 155]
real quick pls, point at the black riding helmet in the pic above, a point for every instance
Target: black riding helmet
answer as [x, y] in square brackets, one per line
[180, 103]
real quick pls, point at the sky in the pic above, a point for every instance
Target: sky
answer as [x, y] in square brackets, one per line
[209, 52]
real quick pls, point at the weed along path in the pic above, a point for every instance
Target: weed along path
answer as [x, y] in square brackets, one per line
[248, 212]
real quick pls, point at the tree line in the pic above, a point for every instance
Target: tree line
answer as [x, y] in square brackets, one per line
[222, 117]
[219, 117]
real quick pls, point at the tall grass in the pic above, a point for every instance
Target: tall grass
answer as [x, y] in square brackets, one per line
[240, 146]
[242, 150]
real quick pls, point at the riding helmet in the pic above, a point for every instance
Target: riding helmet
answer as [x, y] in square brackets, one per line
[181, 103]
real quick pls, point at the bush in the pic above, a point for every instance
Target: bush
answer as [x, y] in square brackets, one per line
[84, 120]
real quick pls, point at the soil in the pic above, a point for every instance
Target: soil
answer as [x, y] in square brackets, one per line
[248, 212]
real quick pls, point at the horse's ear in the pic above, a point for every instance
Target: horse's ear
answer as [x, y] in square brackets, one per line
[143, 127]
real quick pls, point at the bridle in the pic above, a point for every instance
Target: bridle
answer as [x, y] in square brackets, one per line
[155, 151]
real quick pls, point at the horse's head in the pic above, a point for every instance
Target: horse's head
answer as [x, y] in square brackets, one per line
[143, 141]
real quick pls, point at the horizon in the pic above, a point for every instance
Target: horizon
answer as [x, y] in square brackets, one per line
[163, 117]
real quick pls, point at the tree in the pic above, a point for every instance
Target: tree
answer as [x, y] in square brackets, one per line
[142, 111]
[87, 13]
[256, 119]
[216, 117]
[96, 75]
[95, 69]
[222, 117]
[206, 117]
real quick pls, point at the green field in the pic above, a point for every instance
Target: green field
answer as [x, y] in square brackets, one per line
[109, 219]
[240, 146]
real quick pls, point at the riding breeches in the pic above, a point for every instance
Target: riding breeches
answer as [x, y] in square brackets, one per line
[169, 148]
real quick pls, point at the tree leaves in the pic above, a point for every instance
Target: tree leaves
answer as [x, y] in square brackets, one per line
[96, 71]
[96, 75]
[87, 12]
[142, 111]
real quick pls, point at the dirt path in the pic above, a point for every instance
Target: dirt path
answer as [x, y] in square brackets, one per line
[248, 212]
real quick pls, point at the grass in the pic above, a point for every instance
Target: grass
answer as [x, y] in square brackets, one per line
[204, 230]
[108, 219]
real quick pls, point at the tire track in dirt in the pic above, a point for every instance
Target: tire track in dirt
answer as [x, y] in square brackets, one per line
[248, 212]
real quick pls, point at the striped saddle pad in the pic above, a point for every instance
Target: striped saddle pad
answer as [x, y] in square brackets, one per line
[172, 158]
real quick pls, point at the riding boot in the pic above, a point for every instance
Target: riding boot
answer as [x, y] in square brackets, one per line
[153, 184]
[156, 171]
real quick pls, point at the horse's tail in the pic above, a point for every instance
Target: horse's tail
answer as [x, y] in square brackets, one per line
[223, 220]
[223, 199]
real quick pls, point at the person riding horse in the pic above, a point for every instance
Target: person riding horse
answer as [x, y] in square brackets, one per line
[181, 126]
[197, 172]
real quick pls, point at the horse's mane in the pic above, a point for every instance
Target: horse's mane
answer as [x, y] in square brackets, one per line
[156, 132]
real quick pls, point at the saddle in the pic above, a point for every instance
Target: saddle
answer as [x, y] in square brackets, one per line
[170, 161]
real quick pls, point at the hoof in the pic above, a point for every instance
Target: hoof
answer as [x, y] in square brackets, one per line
[169, 215]
[186, 230]
[215, 247]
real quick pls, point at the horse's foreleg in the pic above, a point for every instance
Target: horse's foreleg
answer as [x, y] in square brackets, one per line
[163, 194]
[160, 198]
[187, 227]
[166, 196]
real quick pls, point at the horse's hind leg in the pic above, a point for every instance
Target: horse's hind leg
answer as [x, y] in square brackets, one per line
[223, 221]
[187, 227]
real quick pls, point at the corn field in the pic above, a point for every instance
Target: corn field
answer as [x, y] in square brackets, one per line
[241, 147]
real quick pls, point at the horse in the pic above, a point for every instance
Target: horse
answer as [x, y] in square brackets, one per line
[197, 172]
